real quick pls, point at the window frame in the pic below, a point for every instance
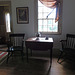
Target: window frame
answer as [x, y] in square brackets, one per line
[36, 20]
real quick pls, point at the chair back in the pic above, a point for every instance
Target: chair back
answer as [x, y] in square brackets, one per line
[17, 39]
[70, 41]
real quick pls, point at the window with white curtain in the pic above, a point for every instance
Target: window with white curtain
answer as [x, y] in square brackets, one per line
[7, 21]
[46, 20]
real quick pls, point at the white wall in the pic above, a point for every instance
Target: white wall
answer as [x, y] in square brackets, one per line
[28, 29]
[68, 17]
[68, 22]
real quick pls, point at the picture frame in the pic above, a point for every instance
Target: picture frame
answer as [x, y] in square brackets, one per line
[22, 15]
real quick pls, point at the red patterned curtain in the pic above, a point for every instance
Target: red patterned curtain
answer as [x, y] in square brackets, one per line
[52, 4]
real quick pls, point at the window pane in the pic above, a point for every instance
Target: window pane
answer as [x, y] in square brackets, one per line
[45, 22]
[40, 15]
[39, 22]
[40, 9]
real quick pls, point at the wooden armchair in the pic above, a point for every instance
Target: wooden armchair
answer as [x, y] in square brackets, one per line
[68, 47]
[16, 43]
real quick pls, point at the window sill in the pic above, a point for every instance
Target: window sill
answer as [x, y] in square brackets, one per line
[50, 33]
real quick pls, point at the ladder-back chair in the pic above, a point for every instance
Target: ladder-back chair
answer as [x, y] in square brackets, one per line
[16, 43]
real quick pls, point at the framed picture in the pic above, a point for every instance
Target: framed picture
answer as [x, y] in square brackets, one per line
[22, 15]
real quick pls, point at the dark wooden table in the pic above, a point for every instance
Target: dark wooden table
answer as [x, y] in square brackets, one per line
[39, 44]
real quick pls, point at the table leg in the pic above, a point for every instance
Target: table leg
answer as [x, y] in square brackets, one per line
[50, 57]
[27, 53]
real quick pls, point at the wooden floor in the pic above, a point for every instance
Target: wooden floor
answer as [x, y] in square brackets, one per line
[65, 68]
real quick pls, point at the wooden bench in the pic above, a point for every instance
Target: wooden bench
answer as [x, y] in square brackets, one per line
[68, 47]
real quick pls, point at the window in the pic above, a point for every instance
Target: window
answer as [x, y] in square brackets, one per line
[7, 19]
[46, 20]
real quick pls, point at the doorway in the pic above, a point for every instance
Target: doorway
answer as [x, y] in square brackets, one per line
[5, 22]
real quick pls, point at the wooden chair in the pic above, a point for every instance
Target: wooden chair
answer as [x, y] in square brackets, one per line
[16, 43]
[68, 48]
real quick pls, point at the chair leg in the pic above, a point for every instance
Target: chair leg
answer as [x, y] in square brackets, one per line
[12, 55]
[22, 54]
[31, 52]
[8, 56]
[59, 56]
